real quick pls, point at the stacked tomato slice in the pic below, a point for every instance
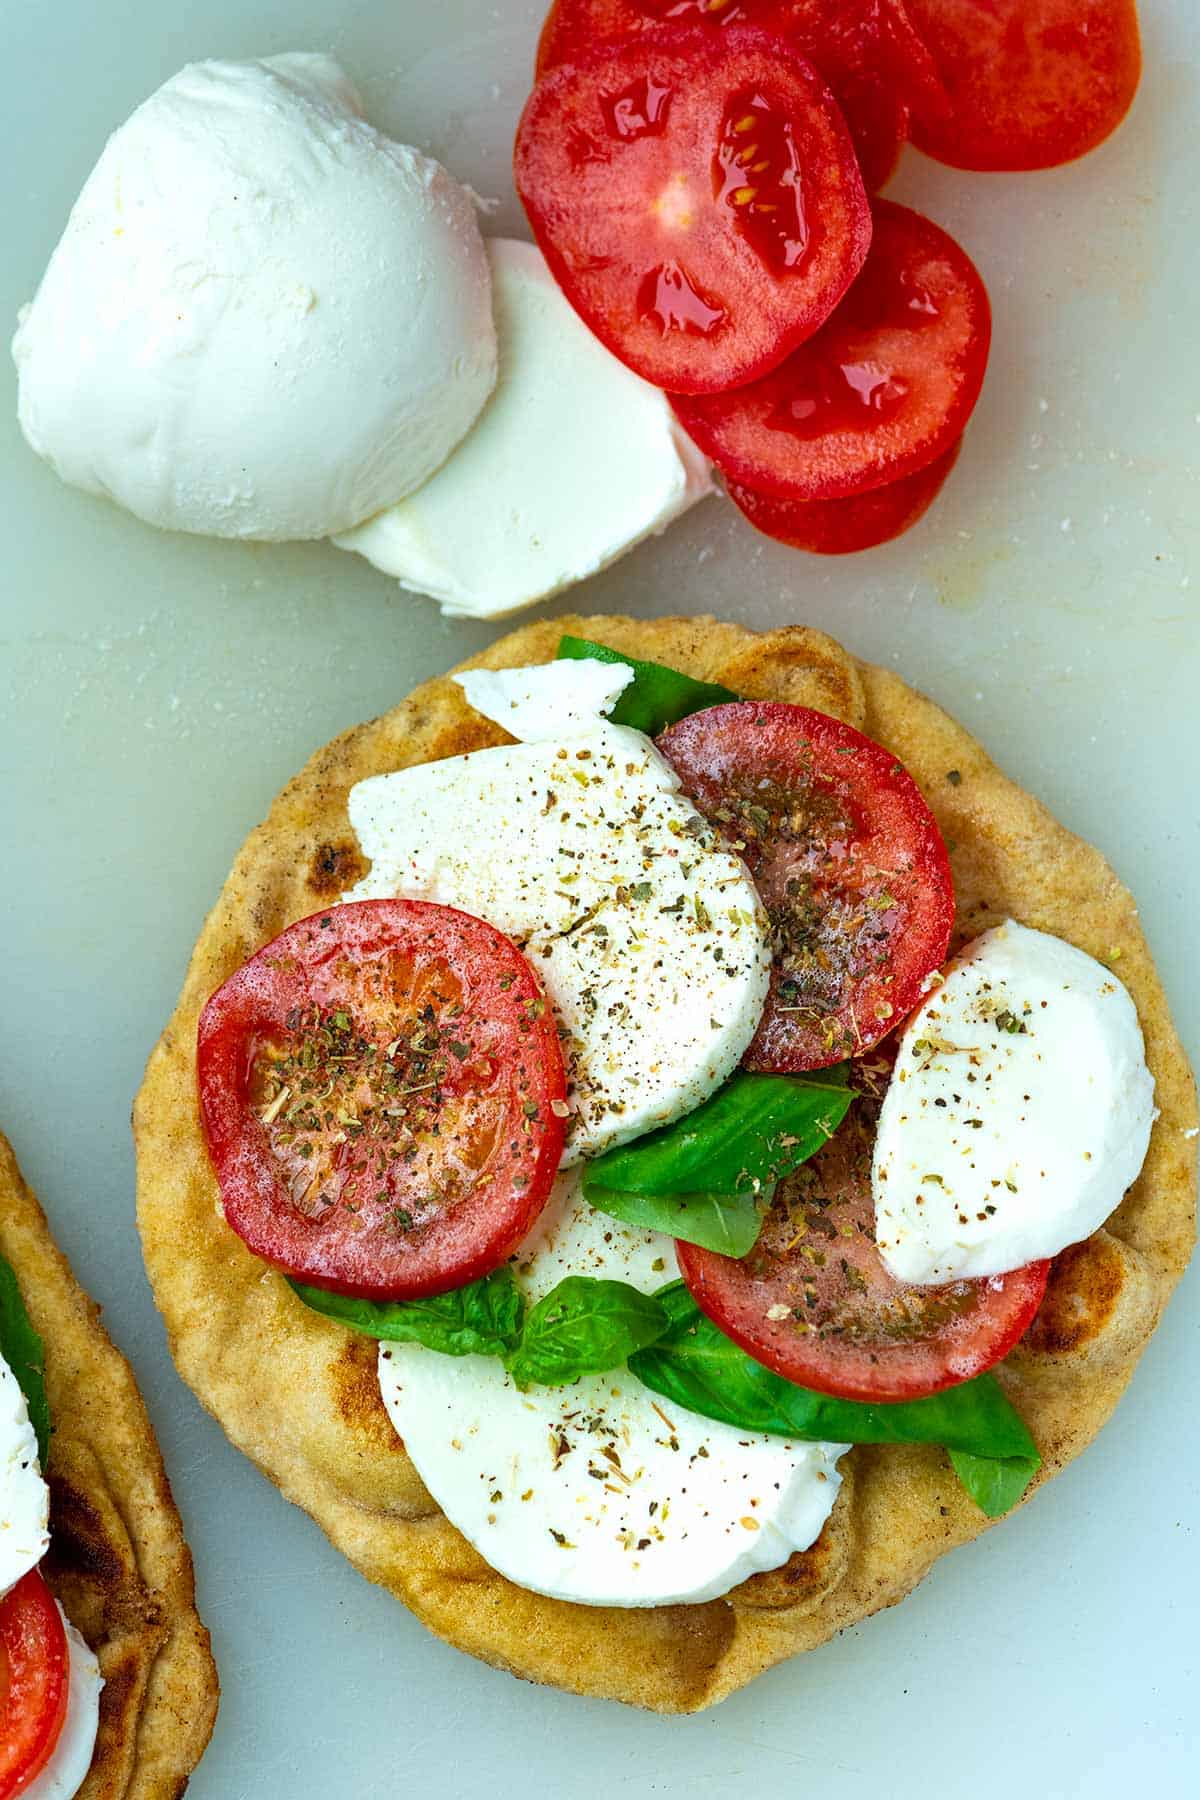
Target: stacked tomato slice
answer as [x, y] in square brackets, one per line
[856, 883]
[697, 174]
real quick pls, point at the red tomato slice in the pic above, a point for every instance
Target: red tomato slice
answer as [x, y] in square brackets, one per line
[837, 527]
[883, 389]
[383, 1093]
[870, 58]
[1031, 83]
[35, 1673]
[848, 860]
[697, 197]
[814, 1302]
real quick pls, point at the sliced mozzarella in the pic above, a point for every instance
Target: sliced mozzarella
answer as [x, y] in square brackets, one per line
[601, 1492]
[650, 940]
[1018, 1113]
[574, 460]
[71, 1759]
[550, 700]
[24, 1496]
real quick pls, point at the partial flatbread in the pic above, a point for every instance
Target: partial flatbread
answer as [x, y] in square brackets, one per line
[299, 1395]
[118, 1562]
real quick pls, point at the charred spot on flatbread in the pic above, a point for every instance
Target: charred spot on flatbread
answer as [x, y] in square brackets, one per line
[334, 867]
[354, 1377]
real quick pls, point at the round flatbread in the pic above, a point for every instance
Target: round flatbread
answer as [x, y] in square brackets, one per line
[118, 1563]
[300, 1395]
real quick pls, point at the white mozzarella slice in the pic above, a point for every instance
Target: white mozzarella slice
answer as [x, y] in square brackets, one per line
[71, 1759]
[574, 460]
[650, 940]
[24, 1496]
[1018, 1113]
[601, 1492]
[549, 700]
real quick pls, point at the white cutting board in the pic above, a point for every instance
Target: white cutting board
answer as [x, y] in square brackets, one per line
[156, 691]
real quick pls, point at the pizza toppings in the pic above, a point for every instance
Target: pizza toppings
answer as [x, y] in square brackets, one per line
[1020, 1111]
[849, 863]
[24, 1496]
[34, 1682]
[698, 199]
[382, 1090]
[645, 930]
[814, 1301]
[821, 1309]
[881, 391]
[596, 1492]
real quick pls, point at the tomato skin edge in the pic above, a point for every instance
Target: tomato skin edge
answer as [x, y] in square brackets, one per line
[249, 1181]
[817, 482]
[697, 1269]
[688, 743]
[849, 526]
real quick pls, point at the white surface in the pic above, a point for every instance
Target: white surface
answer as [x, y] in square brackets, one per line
[156, 694]
[653, 947]
[1018, 1112]
[575, 460]
[687, 1509]
[64, 1774]
[264, 319]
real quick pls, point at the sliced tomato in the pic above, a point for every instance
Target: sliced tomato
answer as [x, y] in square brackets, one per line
[814, 1301]
[697, 197]
[866, 50]
[837, 527]
[1031, 83]
[848, 860]
[35, 1673]
[883, 389]
[383, 1094]
[906, 57]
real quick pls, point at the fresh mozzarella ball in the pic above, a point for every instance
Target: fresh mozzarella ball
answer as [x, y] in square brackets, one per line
[1018, 1113]
[601, 1492]
[264, 318]
[24, 1496]
[574, 460]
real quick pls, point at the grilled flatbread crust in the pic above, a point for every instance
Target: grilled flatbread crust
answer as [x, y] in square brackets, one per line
[299, 1395]
[118, 1562]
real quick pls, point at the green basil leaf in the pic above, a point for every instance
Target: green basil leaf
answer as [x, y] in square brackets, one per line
[995, 1483]
[697, 1367]
[584, 1326]
[726, 1223]
[657, 696]
[23, 1351]
[482, 1319]
[754, 1130]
